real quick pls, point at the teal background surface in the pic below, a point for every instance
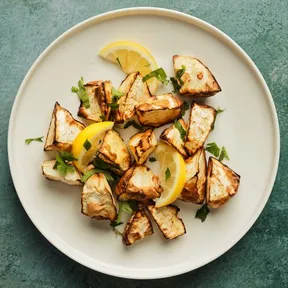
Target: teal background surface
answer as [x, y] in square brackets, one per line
[259, 259]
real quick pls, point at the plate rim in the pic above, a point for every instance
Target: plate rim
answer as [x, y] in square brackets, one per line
[192, 20]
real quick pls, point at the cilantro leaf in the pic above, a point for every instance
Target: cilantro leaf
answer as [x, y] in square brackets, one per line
[61, 164]
[99, 163]
[114, 106]
[167, 174]
[29, 140]
[218, 111]
[118, 60]
[81, 92]
[115, 224]
[202, 212]
[181, 130]
[134, 124]
[116, 93]
[185, 106]
[87, 145]
[175, 84]
[91, 172]
[102, 117]
[213, 149]
[123, 207]
[152, 159]
[180, 72]
[159, 74]
[223, 154]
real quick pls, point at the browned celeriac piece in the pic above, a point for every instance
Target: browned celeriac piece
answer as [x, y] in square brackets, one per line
[99, 94]
[138, 227]
[142, 145]
[159, 110]
[194, 190]
[63, 130]
[114, 151]
[172, 137]
[97, 200]
[168, 221]
[135, 91]
[197, 80]
[138, 183]
[71, 178]
[222, 183]
[200, 125]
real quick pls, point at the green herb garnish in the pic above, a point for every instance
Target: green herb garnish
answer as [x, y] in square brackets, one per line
[223, 154]
[81, 92]
[202, 212]
[167, 174]
[134, 124]
[152, 159]
[213, 148]
[123, 207]
[185, 106]
[91, 172]
[87, 145]
[181, 130]
[175, 84]
[62, 164]
[218, 111]
[180, 72]
[116, 93]
[114, 106]
[117, 59]
[159, 74]
[29, 140]
[102, 117]
[99, 163]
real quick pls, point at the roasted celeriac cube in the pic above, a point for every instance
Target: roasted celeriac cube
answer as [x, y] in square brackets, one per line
[159, 110]
[142, 145]
[168, 221]
[63, 130]
[195, 78]
[222, 183]
[135, 91]
[71, 178]
[200, 124]
[138, 227]
[194, 190]
[115, 152]
[99, 94]
[97, 200]
[138, 183]
[176, 136]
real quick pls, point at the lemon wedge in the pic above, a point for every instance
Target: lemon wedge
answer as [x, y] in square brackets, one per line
[131, 57]
[88, 142]
[172, 174]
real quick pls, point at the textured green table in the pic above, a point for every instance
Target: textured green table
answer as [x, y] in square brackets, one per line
[260, 259]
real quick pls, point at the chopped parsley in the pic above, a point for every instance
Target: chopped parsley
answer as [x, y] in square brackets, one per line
[218, 111]
[87, 145]
[127, 207]
[134, 124]
[167, 174]
[113, 106]
[118, 61]
[29, 140]
[159, 74]
[116, 95]
[63, 165]
[101, 164]
[213, 148]
[202, 212]
[175, 84]
[91, 172]
[180, 72]
[223, 154]
[181, 130]
[81, 92]
[152, 159]
[102, 117]
[185, 106]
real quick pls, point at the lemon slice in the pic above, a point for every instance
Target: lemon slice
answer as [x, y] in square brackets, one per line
[172, 174]
[88, 142]
[131, 57]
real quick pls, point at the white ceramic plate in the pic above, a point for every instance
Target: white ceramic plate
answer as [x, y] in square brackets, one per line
[248, 128]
